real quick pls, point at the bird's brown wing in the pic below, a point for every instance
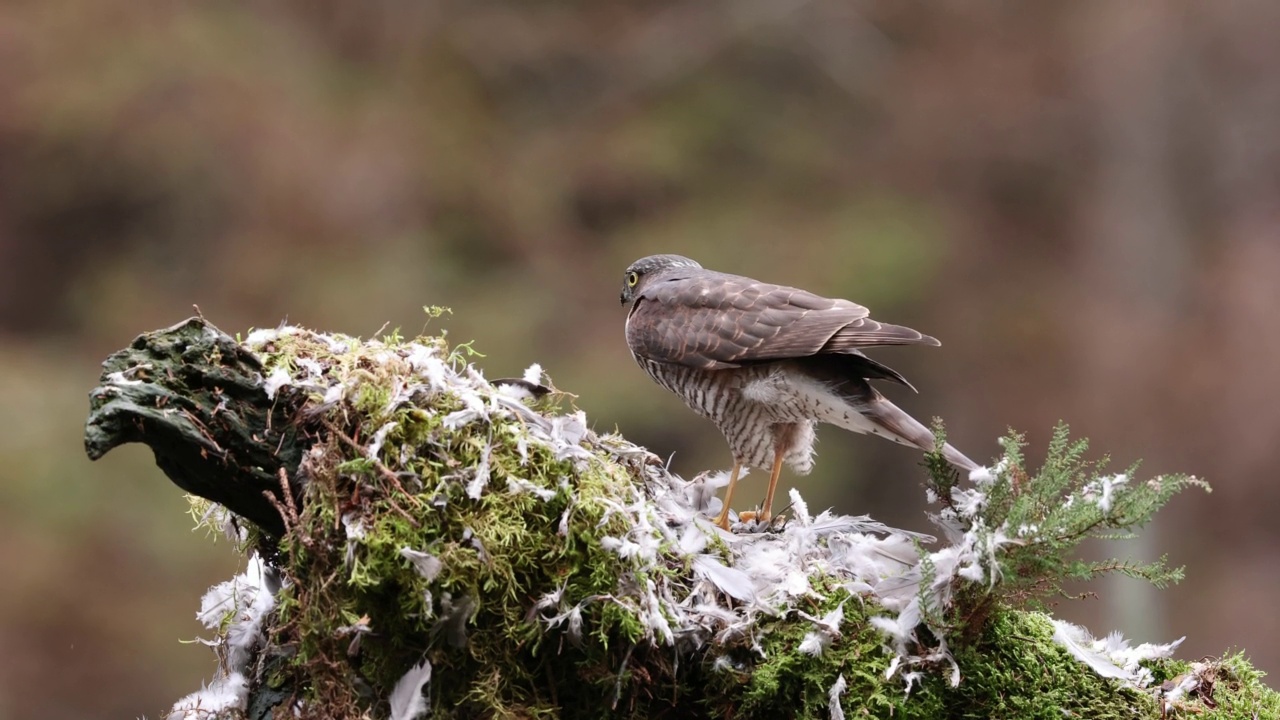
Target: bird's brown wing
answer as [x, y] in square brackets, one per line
[712, 320]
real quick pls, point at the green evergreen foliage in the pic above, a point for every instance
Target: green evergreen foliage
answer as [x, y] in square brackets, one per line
[1040, 519]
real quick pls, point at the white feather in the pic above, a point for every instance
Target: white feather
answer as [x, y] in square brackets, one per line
[833, 698]
[533, 374]
[276, 380]
[731, 581]
[426, 564]
[226, 693]
[1079, 643]
[407, 701]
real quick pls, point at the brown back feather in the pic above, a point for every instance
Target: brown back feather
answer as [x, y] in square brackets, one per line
[711, 320]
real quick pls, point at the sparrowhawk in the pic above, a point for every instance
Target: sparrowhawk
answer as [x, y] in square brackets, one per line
[766, 363]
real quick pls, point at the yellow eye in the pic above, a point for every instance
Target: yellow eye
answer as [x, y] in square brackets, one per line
[632, 279]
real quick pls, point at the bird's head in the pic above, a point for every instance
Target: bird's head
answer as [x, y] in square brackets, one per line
[641, 272]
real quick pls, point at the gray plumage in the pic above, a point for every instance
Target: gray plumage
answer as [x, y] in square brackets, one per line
[766, 362]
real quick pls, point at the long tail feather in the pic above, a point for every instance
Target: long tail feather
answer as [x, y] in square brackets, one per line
[844, 398]
[878, 416]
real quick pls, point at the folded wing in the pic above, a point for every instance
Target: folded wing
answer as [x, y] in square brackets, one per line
[714, 320]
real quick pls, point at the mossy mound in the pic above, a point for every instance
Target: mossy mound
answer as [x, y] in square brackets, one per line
[474, 549]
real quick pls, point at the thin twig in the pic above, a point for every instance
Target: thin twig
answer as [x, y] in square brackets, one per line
[286, 507]
[383, 470]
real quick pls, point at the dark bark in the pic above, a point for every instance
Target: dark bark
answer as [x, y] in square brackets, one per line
[194, 395]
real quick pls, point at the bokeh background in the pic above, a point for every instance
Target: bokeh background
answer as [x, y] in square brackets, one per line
[1080, 199]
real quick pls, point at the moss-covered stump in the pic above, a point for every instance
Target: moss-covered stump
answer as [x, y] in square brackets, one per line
[423, 540]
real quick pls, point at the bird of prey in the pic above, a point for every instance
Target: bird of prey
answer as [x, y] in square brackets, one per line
[766, 363]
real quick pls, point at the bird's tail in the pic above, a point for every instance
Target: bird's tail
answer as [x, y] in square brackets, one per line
[878, 416]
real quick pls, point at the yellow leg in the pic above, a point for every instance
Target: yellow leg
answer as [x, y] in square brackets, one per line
[767, 513]
[723, 519]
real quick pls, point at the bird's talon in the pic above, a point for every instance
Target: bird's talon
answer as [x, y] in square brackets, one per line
[722, 520]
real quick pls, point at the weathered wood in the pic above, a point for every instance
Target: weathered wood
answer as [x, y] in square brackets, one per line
[194, 396]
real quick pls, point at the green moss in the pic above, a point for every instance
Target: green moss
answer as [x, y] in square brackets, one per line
[1239, 692]
[1016, 670]
[781, 676]
[1229, 689]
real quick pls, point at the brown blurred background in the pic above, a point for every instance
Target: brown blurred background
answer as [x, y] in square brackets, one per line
[1081, 199]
